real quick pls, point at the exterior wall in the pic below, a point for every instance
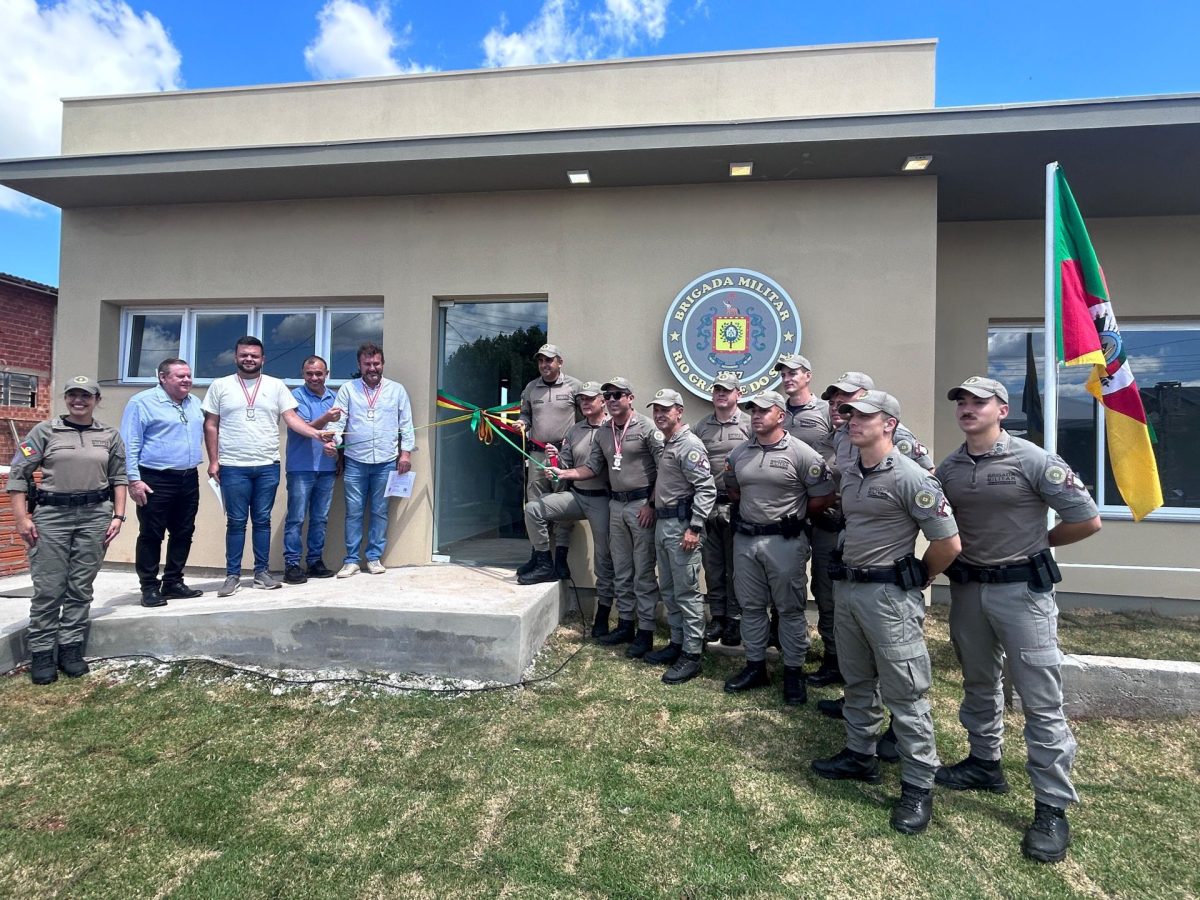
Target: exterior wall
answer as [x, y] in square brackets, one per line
[27, 346]
[757, 84]
[990, 271]
[609, 261]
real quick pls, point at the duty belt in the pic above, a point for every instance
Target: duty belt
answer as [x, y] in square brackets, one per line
[79, 498]
[722, 498]
[756, 530]
[679, 509]
[587, 492]
[831, 524]
[628, 496]
[874, 574]
[962, 572]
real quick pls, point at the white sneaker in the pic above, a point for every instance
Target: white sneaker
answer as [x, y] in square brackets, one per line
[265, 580]
[375, 567]
[349, 570]
[231, 586]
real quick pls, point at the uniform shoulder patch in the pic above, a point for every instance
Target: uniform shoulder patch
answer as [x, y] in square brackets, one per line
[27, 449]
[925, 499]
[1056, 474]
[693, 455]
[816, 470]
[905, 446]
[658, 435]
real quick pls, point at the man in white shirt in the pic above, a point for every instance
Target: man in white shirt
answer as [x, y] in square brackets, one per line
[241, 434]
[378, 438]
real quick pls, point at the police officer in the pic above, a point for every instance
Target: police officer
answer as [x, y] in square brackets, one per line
[720, 432]
[684, 493]
[880, 610]
[776, 480]
[582, 500]
[628, 449]
[547, 411]
[1002, 604]
[81, 507]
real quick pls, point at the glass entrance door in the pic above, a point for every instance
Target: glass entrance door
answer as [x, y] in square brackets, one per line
[486, 359]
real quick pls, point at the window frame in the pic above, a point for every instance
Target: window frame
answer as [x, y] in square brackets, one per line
[6, 377]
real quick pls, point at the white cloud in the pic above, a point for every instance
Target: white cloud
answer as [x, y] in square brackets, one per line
[563, 31]
[356, 41]
[73, 48]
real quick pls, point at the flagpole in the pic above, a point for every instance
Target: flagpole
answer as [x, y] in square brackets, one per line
[1050, 345]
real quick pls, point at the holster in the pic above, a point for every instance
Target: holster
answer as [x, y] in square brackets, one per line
[910, 572]
[791, 527]
[836, 568]
[1044, 571]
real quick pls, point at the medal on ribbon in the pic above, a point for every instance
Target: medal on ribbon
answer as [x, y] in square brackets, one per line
[250, 397]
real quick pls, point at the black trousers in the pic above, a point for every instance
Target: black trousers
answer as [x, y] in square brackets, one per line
[170, 509]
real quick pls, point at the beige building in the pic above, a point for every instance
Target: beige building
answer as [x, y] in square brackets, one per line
[436, 211]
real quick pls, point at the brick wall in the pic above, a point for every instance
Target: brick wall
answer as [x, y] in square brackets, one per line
[26, 345]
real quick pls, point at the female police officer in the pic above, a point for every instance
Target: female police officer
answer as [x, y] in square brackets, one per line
[80, 509]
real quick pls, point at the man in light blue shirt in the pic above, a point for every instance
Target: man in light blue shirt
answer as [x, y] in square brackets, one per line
[163, 430]
[310, 476]
[378, 438]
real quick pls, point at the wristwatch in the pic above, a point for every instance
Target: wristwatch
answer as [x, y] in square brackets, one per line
[122, 518]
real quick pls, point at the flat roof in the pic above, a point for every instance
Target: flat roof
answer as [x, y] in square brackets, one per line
[1129, 156]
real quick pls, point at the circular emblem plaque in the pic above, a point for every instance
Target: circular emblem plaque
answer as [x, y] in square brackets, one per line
[730, 320]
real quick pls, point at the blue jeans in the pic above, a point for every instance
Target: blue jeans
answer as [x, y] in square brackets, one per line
[248, 492]
[365, 483]
[309, 495]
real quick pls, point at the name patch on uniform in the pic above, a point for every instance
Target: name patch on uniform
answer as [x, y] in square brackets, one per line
[779, 464]
[1002, 478]
[100, 442]
[878, 493]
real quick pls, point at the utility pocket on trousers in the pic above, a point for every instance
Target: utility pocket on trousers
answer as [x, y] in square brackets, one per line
[1045, 656]
[904, 670]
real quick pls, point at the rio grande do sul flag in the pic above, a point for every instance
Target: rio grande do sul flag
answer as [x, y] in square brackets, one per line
[1087, 334]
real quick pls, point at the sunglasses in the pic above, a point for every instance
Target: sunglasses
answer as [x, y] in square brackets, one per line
[615, 395]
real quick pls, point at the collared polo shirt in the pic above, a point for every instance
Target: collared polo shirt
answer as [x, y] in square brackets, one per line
[548, 410]
[776, 480]
[720, 438]
[307, 454]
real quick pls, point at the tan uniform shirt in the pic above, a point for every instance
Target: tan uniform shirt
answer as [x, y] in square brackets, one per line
[72, 461]
[640, 450]
[776, 480]
[683, 474]
[575, 448]
[845, 453]
[548, 410]
[721, 437]
[1001, 498]
[886, 506]
[811, 424]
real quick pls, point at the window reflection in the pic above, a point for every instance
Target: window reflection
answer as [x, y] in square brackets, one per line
[290, 338]
[152, 338]
[216, 334]
[347, 332]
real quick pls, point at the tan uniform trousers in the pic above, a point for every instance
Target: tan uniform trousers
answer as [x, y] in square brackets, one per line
[679, 579]
[717, 552]
[632, 550]
[64, 563]
[769, 569]
[537, 486]
[570, 506]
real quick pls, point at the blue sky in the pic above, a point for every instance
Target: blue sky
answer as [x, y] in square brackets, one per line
[989, 52]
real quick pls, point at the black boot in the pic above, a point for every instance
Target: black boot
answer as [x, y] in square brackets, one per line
[43, 670]
[526, 567]
[754, 675]
[886, 748]
[666, 656]
[152, 598]
[715, 630]
[561, 570]
[849, 766]
[600, 625]
[542, 571]
[1047, 839]
[733, 633]
[913, 810]
[831, 708]
[686, 668]
[794, 691]
[773, 638]
[828, 674]
[71, 661]
[973, 774]
[643, 643]
[622, 634]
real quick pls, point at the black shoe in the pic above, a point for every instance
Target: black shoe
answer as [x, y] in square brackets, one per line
[715, 629]
[913, 810]
[794, 691]
[561, 570]
[686, 668]
[754, 675]
[642, 644]
[526, 567]
[665, 656]
[71, 661]
[831, 708]
[318, 570]
[293, 574]
[622, 634]
[973, 774]
[600, 624]
[886, 748]
[828, 674]
[1047, 839]
[848, 765]
[152, 598]
[542, 572]
[43, 670]
[177, 590]
[733, 633]
[773, 639]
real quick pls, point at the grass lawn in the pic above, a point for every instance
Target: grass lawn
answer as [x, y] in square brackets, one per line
[603, 782]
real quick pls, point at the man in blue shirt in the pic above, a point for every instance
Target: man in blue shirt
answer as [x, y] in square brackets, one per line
[310, 476]
[163, 430]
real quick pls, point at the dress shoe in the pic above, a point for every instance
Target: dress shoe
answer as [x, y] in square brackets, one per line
[43, 670]
[622, 634]
[542, 571]
[600, 624]
[913, 810]
[562, 571]
[733, 633]
[1047, 839]
[665, 656]
[715, 630]
[318, 570]
[152, 598]
[71, 661]
[828, 673]
[753, 676]
[686, 668]
[973, 774]
[831, 708]
[642, 643]
[293, 574]
[177, 590]
[848, 765]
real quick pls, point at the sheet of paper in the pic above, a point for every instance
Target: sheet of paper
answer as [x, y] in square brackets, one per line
[216, 489]
[399, 485]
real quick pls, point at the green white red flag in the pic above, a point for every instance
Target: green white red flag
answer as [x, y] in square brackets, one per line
[1086, 333]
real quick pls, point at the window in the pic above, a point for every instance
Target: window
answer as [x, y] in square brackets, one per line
[1165, 359]
[205, 337]
[18, 389]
